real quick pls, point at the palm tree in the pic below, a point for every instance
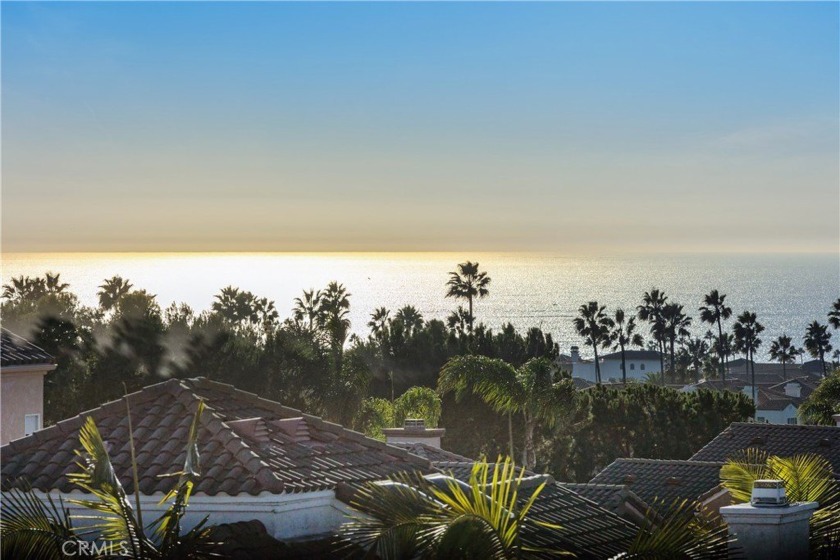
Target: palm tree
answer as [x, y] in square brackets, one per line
[697, 350]
[53, 283]
[651, 311]
[111, 291]
[378, 322]
[834, 315]
[783, 351]
[714, 312]
[807, 478]
[32, 529]
[482, 519]
[530, 391]
[307, 310]
[411, 319]
[594, 325]
[675, 324]
[622, 335]
[817, 343]
[458, 321]
[468, 283]
[747, 329]
[334, 313]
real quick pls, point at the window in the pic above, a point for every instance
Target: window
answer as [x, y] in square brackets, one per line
[761, 419]
[632, 366]
[791, 420]
[642, 367]
[31, 423]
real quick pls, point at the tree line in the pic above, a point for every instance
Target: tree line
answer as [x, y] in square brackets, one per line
[402, 368]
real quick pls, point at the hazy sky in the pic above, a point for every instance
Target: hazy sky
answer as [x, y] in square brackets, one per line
[373, 126]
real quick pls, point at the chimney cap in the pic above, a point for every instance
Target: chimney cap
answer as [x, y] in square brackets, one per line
[414, 424]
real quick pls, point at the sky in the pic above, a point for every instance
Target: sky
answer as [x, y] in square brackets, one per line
[567, 127]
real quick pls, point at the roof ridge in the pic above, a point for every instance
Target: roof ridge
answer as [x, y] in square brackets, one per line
[316, 421]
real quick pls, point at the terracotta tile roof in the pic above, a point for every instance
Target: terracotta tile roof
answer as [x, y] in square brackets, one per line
[777, 439]
[589, 531]
[663, 481]
[17, 351]
[612, 497]
[247, 444]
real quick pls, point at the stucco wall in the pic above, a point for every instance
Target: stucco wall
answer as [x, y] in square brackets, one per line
[21, 393]
[285, 516]
[611, 369]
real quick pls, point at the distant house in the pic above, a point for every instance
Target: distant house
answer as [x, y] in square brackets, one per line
[640, 364]
[777, 401]
[272, 472]
[22, 369]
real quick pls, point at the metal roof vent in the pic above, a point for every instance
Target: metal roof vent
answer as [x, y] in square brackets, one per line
[672, 481]
[630, 479]
[768, 493]
[757, 441]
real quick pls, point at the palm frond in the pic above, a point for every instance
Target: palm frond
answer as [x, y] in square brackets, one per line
[741, 470]
[413, 517]
[32, 528]
[115, 521]
[681, 533]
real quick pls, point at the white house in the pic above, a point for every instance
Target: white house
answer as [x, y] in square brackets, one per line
[640, 364]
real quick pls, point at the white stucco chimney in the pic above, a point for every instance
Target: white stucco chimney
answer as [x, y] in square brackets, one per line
[575, 354]
[770, 532]
[793, 389]
[836, 419]
[414, 431]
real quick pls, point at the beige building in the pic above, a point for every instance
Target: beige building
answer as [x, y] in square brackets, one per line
[22, 369]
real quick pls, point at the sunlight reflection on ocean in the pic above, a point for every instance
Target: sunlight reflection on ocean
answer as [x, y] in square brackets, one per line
[787, 291]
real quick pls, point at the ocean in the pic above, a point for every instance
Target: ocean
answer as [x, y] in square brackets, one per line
[787, 291]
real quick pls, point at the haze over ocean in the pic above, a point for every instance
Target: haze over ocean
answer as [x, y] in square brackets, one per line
[787, 291]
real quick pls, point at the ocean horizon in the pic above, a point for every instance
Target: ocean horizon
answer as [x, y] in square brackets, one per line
[786, 290]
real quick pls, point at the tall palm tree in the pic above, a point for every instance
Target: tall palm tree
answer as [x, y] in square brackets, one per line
[651, 311]
[624, 334]
[411, 319]
[335, 317]
[482, 519]
[746, 329]
[379, 322]
[714, 312]
[782, 350]
[817, 342]
[594, 325]
[306, 310]
[675, 324]
[834, 315]
[697, 351]
[529, 391]
[468, 283]
[111, 291]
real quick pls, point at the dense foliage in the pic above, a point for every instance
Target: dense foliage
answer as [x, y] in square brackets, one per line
[310, 361]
